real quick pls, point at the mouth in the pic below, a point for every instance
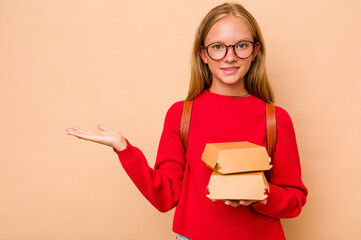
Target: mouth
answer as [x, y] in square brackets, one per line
[230, 70]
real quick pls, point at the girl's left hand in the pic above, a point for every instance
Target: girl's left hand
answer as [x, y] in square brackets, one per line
[245, 203]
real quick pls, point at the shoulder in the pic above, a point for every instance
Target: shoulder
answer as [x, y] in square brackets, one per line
[283, 119]
[175, 109]
[282, 114]
[174, 114]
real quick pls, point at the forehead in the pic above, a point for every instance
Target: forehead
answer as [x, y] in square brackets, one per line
[229, 30]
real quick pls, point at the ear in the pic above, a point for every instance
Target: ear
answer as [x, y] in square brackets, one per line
[256, 50]
[203, 54]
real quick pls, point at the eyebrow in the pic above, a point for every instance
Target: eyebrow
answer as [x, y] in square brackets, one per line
[245, 39]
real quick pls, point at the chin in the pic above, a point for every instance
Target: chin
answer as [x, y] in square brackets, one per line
[230, 81]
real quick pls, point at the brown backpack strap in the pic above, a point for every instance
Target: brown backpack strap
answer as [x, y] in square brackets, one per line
[271, 129]
[185, 122]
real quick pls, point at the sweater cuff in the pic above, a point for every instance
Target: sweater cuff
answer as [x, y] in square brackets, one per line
[122, 153]
[131, 158]
[271, 200]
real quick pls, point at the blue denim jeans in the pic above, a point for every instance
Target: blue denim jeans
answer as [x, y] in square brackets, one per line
[180, 237]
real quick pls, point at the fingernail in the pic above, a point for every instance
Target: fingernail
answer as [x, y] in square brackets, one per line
[227, 203]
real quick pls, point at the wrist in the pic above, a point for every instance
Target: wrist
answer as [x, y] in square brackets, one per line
[120, 146]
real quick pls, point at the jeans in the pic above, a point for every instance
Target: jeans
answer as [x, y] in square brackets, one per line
[180, 237]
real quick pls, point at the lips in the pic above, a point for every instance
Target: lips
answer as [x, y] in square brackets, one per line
[230, 70]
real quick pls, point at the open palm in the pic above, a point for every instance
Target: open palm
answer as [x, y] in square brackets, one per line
[106, 136]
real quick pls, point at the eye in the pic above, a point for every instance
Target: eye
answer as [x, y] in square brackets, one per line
[217, 47]
[243, 45]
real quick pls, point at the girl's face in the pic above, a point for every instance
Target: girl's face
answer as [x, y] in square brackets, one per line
[231, 70]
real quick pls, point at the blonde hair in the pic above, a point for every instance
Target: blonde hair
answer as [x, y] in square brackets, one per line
[256, 80]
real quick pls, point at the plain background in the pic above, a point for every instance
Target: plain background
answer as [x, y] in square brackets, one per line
[124, 63]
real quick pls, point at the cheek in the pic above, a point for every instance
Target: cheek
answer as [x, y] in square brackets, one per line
[247, 64]
[213, 66]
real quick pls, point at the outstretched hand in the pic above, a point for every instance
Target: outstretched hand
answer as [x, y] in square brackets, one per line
[106, 136]
[245, 203]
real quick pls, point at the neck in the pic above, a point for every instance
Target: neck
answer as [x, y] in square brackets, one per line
[229, 89]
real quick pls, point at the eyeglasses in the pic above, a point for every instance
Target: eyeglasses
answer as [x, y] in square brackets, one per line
[243, 49]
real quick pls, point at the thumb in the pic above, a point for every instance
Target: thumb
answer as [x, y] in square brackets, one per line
[103, 127]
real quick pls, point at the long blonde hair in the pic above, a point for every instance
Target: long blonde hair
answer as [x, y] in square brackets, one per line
[256, 80]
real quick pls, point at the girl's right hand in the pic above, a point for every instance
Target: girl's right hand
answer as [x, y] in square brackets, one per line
[106, 136]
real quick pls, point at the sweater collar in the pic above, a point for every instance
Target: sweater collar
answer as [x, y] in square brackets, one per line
[223, 99]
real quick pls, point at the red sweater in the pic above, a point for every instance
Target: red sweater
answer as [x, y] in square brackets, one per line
[175, 181]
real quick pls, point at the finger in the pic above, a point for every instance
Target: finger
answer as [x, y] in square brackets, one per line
[93, 137]
[231, 203]
[243, 203]
[76, 129]
[79, 135]
[71, 128]
[103, 127]
[74, 133]
[77, 132]
[70, 131]
[246, 203]
[264, 201]
[83, 131]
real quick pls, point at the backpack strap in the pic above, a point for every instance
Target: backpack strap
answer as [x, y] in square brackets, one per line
[271, 129]
[185, 122]
[271, 134]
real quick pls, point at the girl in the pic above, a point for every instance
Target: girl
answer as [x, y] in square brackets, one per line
[229, 88]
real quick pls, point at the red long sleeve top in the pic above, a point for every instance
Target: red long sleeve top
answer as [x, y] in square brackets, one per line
[180, 180]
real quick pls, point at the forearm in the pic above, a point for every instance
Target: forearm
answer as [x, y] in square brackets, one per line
[160, 187]
[283, 202]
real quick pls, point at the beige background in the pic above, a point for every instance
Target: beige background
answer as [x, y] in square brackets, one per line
[123, 63]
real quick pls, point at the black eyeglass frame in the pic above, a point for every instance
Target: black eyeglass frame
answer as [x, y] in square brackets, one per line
[254, 44]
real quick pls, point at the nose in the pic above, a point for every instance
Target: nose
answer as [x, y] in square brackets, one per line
[230, 55]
